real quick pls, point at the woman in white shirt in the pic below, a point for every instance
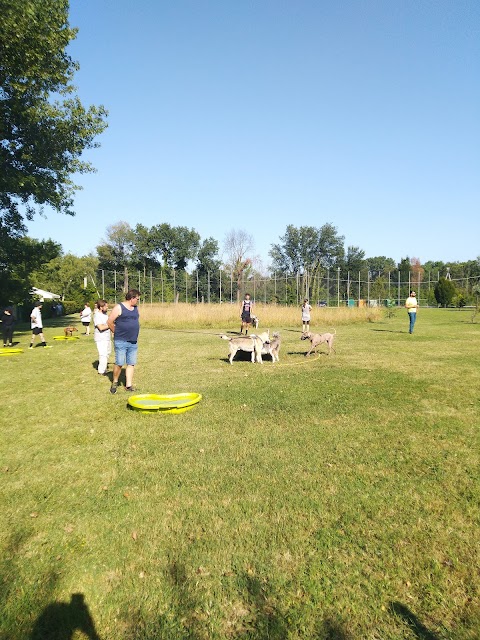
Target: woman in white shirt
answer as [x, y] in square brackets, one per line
[306, 308]
[102, 335]
[86, 318]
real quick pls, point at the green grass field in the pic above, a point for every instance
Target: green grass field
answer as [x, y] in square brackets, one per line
[335, 497]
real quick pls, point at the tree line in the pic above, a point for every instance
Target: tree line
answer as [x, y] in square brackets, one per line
[173, 263]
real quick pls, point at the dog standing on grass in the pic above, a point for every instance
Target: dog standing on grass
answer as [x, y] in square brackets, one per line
[68, 331]
[272, 348]
[251, 344]
[316, 339]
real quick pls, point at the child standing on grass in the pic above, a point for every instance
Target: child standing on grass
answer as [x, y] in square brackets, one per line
[306, 308]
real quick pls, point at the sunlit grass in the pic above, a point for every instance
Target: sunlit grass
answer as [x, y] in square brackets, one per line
[333, 497]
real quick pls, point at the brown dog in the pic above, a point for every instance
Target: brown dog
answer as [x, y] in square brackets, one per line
[68, 331]
[316, 339]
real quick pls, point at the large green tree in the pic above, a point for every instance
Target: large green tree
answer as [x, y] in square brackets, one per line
[65, 275]
[444, 292]
[19, 258]
[308, 248]
[44, 128]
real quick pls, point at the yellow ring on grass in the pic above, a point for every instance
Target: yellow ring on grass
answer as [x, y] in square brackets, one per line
[66, 337]
[154, 403]
[10, 351]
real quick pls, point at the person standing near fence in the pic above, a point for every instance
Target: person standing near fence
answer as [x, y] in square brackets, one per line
[306, 309]
[102, 335]
[411, 306]
[246, 313]
[124, 323]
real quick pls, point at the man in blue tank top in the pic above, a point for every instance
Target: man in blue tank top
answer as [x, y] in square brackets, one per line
[124, 323]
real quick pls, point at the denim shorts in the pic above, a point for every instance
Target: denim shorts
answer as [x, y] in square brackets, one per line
[125, 352]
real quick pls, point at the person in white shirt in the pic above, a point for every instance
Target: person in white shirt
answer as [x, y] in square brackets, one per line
[306, 308]
[36, 324]
[102, 335]
[86, 318]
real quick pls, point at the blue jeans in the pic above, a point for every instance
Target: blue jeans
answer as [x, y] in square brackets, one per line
[125, 352]
[413, 317]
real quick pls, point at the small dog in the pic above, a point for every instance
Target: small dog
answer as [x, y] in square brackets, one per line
[255, 321]
[316, 339]
[272, 348]
[68, 331]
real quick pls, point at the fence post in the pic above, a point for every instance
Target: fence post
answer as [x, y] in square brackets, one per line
[338, 286]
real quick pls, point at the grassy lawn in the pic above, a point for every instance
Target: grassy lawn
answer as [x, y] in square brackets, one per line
[333, 497]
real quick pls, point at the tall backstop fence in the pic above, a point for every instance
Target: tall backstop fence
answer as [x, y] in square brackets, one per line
[330, 288]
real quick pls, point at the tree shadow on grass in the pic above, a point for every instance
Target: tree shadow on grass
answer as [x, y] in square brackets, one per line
[182, 619]
[332, 630]
[391, 330]
[414, 623]
[269, 623]
[20, 598]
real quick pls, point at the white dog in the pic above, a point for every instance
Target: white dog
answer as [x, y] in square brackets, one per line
[251, 344]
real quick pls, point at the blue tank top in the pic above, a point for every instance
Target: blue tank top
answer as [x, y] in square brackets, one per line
[127, 325]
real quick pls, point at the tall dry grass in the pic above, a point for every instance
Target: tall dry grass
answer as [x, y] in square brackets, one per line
[227, 316]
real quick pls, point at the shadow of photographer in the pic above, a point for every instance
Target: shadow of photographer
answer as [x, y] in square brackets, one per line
[60, 620]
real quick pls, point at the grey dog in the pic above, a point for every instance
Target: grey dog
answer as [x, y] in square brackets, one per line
[316, 339]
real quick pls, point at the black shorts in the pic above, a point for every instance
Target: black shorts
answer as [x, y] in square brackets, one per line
[37, 331]
[246, 318]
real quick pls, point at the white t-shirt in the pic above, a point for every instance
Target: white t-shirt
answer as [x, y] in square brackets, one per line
[306, 308]
[86, 315]
[36, 319]
[100, 318]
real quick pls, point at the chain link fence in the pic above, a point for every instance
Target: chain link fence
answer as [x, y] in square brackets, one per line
[331, 288]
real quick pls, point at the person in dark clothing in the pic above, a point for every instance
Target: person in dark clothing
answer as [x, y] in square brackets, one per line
[124, 323]
[8, 322]
[246, 313]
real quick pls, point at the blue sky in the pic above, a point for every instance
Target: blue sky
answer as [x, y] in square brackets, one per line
[253, 115]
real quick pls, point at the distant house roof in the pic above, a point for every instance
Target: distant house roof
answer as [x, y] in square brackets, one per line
[43, 295]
